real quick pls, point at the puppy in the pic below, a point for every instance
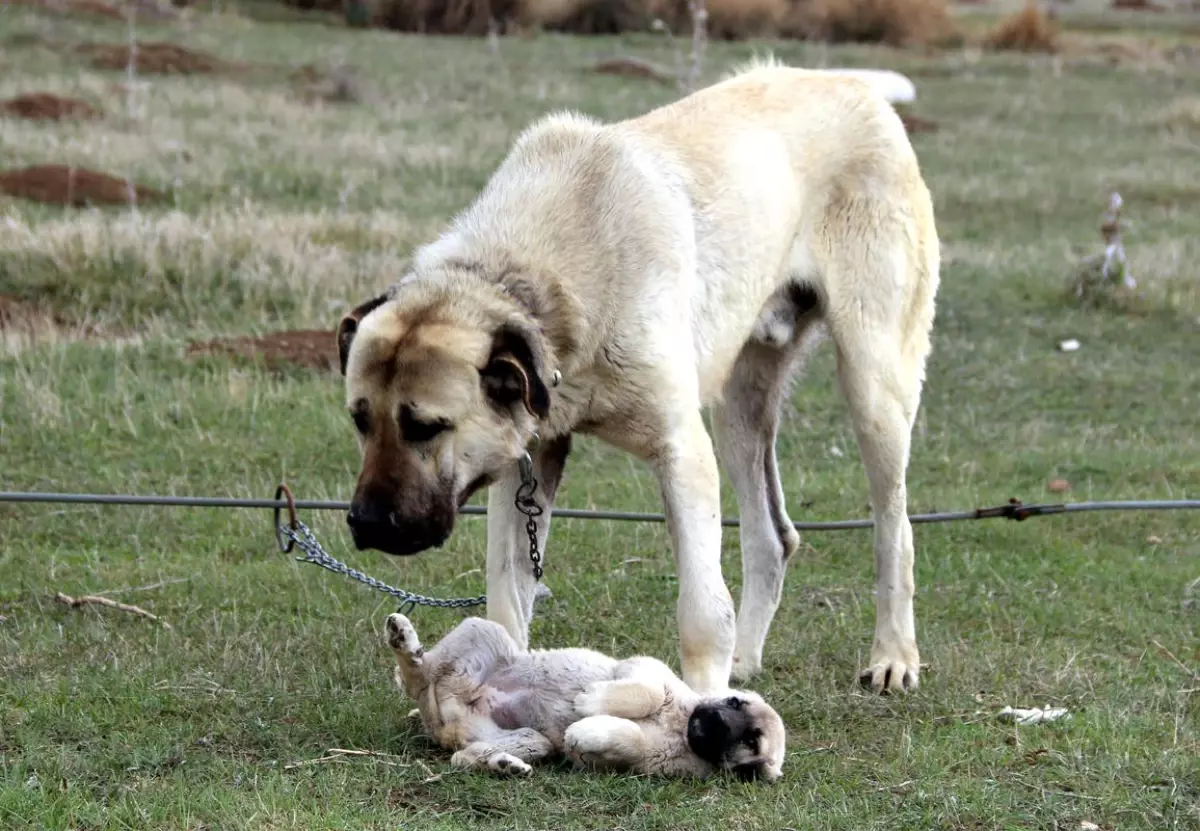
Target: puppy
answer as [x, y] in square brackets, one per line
[501, 708]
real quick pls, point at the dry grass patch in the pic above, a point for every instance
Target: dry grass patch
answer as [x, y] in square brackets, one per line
[181, 269]
[892, 22]
[446, 17]
[1181, 114]
[1029, 30]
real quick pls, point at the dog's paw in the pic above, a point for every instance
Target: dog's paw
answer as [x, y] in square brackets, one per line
[894, 670]
[401, 635]
[745, 667]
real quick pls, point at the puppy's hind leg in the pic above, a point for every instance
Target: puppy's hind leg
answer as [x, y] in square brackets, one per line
[746, 424]
[505, 752]
[410, 655]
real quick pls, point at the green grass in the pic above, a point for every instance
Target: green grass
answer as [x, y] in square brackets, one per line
[285, 213]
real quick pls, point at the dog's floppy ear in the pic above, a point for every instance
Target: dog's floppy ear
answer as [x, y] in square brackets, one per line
[349, 326]
[516, 368]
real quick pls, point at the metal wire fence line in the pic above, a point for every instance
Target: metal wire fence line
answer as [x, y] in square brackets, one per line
[1014, 509]
[293, 532]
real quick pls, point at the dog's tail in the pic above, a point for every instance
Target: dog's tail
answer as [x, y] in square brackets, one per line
[894, 87]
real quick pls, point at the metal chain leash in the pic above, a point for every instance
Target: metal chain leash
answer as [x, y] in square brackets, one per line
[296, 533]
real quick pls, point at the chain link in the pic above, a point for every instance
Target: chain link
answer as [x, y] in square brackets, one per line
[526, 504]
[302, 536]
[296, 533]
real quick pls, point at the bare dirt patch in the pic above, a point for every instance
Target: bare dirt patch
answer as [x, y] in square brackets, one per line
[311, 348]
[160, 58]
[58, 184]
[45, 106]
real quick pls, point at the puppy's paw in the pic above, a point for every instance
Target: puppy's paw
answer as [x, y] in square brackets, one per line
[601, 741]
[590, 702]
[506, 764]
[402, 637]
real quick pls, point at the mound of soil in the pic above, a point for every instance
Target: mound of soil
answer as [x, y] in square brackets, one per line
[312, 348]
[94, 7]
[45, 106]
[916, 124]
[1139, 5]
[58, 184]
[17, 314]
[1029, 30]
[159, 58]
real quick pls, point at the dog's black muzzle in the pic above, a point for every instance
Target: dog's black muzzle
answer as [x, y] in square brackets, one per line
[371, 530]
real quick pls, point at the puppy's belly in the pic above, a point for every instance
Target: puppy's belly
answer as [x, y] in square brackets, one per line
[513, 710]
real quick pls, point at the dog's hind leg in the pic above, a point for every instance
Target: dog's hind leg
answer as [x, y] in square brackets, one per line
[881, 277]
[506, 752]
[746, 423]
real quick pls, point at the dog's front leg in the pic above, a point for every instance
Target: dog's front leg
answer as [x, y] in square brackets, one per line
[511, 586]
[687, 472]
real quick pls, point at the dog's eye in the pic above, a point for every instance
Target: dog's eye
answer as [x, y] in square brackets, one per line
[420, 431]
[733, 703]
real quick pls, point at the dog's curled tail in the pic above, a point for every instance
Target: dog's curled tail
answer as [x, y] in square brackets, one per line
[894, 87]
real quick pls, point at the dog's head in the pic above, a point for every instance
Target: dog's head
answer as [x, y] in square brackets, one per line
[443, 386]
[739, 732]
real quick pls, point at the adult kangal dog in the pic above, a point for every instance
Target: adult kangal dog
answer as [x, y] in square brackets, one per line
[501, 708]
[616, 279]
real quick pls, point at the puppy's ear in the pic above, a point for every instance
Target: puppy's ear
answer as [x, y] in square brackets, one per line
[349, 327]
[516, 368]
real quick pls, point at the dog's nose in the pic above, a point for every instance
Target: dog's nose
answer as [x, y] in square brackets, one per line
[365, 514]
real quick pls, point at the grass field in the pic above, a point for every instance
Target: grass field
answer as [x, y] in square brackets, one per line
[283, 212]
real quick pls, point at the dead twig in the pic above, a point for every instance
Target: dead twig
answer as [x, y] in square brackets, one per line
[1107, 273]
[699, 15]
[1189, 672]
[145, 588]
[337, 754]
[95, 600]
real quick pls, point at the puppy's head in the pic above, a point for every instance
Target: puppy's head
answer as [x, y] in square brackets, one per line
[739, 732]
[443, 386]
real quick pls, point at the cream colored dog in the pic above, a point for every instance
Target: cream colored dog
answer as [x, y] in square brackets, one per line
[502, 708]
[616, 280]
